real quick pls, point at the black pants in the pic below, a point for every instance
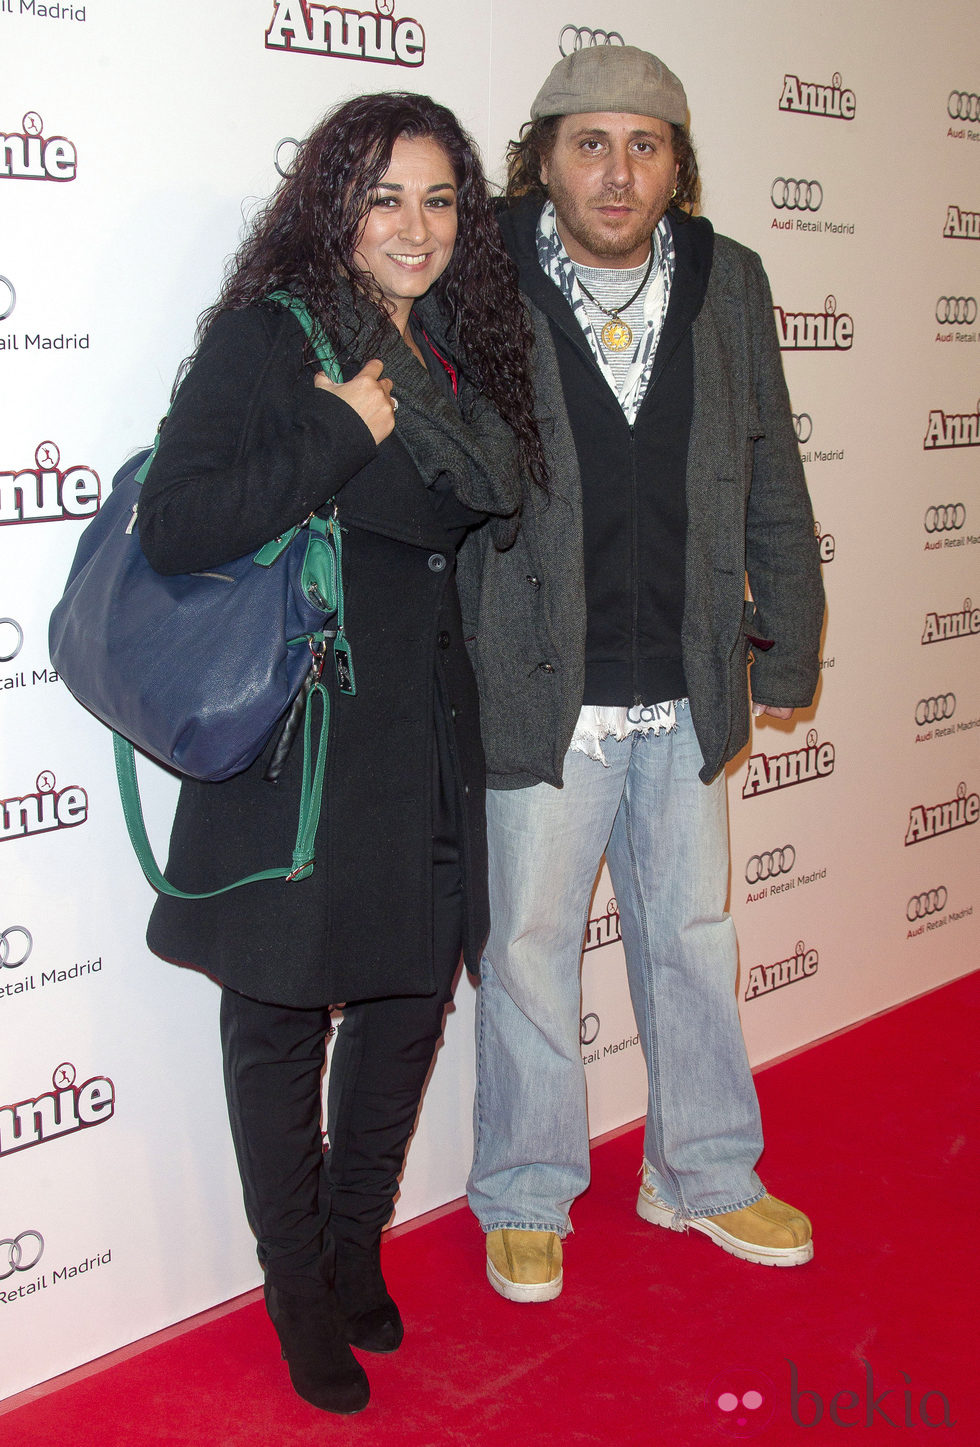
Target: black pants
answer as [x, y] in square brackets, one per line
[298, 1202]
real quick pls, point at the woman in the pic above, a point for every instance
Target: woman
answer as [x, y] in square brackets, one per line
[384, 229]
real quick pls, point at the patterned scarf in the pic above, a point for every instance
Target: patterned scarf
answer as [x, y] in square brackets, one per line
[556, 264]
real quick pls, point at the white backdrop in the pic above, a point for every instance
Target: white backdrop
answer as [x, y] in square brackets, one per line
[131, 135]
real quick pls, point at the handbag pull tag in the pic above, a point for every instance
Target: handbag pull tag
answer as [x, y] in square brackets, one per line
[344, 664]
[273, 551]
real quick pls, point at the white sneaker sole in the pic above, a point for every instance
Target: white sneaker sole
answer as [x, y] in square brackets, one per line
[659, 1215]
[521, 1291]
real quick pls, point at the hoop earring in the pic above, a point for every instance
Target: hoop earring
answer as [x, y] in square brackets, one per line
[673, 193]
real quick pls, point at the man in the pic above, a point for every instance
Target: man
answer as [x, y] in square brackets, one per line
[611, 643]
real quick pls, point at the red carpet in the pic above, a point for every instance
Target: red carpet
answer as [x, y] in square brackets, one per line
[870, 1132]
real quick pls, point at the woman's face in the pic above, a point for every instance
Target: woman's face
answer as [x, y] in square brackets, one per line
[409, 233]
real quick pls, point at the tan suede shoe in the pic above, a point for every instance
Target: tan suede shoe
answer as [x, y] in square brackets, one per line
[768, 1232]
[524, 1265]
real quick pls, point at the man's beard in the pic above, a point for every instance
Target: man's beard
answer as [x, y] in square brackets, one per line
[574, 219]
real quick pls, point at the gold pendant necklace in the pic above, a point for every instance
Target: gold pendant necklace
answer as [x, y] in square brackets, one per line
[617, 335]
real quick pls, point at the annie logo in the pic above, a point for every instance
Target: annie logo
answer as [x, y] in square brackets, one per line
[940, 627]
[928, 821]
[961, 225]
[808, 99]
[767, 773]
[827, 544]
[46, 493]
[50, 808]
[604, 929]
[826, 331]
[29, 155]
[307, 28]
[952, 429]
[68, 1107]
[763, 979]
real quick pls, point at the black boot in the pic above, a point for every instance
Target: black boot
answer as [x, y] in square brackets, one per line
[322, 1367]
[372, 1318]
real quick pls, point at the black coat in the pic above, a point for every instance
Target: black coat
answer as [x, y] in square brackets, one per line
[250, 448]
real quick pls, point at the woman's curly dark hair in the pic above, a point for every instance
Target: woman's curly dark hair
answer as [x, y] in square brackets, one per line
[537, 139]
[305, 236]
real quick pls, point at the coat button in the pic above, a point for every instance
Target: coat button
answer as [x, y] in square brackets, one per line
[443, 639]
[437, 562]
[534, 582]
[547, 667]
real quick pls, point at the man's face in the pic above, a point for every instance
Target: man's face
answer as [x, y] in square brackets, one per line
[610, 177]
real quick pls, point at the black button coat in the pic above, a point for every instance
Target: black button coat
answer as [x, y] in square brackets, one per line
[250, 448]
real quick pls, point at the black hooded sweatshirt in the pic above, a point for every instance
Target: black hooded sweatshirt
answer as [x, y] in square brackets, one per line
[634, 509]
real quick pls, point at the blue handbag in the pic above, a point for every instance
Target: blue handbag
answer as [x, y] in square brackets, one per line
[198, 670]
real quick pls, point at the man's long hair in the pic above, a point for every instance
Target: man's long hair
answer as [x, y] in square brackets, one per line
[536, 142]
[304, 239]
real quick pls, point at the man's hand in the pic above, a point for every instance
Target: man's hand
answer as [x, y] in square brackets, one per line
[761, 708]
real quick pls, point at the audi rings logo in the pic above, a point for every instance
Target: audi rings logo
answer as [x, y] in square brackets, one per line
[956, 309]
[768, 865]
[286, 153]
[580, 37]
[945, 517]
[929, 902]
[11, 639]
[20, 1253]
[589, 1031]
[934, 710]
[16, 944]
[8, 298]
[803, 427]
[963, 106]
[788, 194]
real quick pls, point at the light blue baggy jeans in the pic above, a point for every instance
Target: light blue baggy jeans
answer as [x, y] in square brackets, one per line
[665, 837]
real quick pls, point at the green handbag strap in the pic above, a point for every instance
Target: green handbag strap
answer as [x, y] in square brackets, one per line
[311, 797]
[343, 660]
[322, 348]
[311, 791]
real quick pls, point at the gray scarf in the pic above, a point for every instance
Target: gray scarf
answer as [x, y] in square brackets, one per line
[479, 455]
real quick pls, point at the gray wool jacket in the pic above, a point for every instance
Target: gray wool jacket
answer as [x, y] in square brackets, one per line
[748, 514]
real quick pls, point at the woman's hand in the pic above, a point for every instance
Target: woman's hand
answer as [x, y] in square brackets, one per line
[370, 396]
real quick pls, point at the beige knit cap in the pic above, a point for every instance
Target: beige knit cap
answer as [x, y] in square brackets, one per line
[612, 78]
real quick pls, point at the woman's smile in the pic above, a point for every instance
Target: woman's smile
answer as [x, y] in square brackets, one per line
[408, 235]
